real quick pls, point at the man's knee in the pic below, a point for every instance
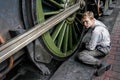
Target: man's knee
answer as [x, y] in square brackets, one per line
[81, 55]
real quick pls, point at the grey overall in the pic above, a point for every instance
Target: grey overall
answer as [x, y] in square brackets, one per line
[90, 52]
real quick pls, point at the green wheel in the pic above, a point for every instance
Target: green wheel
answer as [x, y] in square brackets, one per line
[63, 39]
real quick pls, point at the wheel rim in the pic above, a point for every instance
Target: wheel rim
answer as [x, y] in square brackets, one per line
[63, 39]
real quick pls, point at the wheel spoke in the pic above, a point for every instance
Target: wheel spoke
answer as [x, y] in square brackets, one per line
[65, 42]
[74, 33]
[77, 27]
[48, 6]
[52, 12]
[61, 35]
[70, 37]
[78, 20]
[56, 3]
[57, 30]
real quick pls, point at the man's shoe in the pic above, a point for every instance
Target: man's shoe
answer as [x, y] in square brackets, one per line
[104, 67]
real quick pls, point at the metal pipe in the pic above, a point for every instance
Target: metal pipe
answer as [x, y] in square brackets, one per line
[11, 62]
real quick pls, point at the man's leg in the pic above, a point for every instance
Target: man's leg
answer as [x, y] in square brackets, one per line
[88, 57]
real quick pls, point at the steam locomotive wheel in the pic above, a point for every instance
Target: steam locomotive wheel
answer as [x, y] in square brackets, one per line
[64, 38]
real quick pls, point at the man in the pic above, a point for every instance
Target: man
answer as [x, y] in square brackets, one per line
[96, 43]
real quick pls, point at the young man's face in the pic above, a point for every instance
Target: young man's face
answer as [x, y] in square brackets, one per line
[87, 22]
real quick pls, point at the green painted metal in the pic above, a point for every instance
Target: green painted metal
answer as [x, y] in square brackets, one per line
[63, 39]
[110, 2]
[106, 6]
[61, 35]
[70, 37]
[74, 33]
[57, 30]
[65, 42]
[52, 12]
[56, 3]
[40, 14]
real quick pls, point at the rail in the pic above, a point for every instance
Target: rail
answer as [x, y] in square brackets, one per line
[11, 47]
